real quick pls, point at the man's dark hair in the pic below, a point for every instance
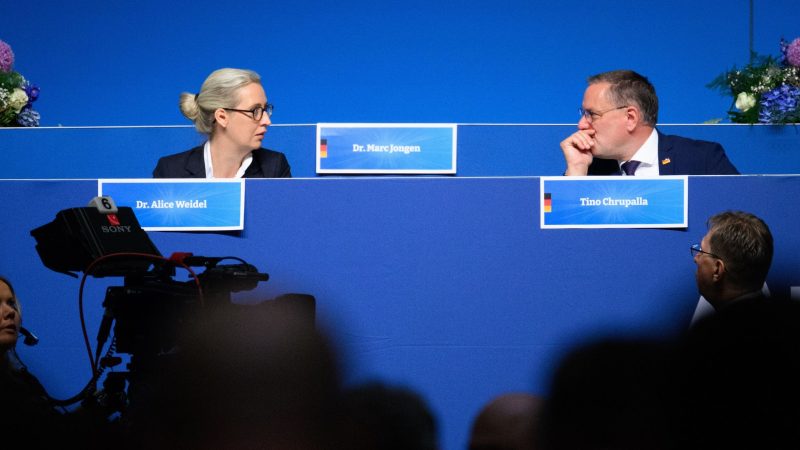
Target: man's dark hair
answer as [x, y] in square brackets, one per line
[630, 88]
[744, 243]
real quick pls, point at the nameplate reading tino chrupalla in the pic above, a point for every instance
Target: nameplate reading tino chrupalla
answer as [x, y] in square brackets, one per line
[614, 202]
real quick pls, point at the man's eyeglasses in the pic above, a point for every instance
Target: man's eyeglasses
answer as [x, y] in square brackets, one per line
[590, 115]
[695, 249]
[257, 112]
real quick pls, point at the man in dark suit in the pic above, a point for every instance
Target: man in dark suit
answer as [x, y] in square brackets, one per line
[617, 136]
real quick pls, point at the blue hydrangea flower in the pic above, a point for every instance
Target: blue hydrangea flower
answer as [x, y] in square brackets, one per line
[32, 90]
[780, 105]
[28, 118]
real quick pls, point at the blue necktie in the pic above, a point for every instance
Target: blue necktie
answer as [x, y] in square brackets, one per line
[630, 167]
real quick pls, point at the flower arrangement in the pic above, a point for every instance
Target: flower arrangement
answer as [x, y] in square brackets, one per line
[16, 93]
[767, 90]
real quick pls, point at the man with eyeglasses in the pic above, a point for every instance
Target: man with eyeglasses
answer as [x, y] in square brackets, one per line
[617, 135]
[732, 260]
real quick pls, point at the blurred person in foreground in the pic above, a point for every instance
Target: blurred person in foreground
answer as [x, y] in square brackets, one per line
[244, 378]
[507, 422]
[739, 378]
[610, 394]
[379, 416]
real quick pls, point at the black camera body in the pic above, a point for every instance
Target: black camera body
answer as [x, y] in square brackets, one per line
[105, 240]
[151, 309]
[79, 236]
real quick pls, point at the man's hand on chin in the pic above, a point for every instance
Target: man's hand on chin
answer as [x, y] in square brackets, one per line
[577, 149]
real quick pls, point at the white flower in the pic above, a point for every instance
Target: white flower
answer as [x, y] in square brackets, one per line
[3, 99]
[17, 100]
[745, 101]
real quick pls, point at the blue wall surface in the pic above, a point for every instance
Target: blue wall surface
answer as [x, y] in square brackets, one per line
[517, 61]
[443, 283]
[446, 285]
[483, 150]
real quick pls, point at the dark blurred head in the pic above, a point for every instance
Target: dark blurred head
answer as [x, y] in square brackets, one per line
[379, 416]
[740, 379]
[247, 378]
[612, 394]
[507, 422]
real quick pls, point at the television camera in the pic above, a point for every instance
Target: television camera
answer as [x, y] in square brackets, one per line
[150, 309]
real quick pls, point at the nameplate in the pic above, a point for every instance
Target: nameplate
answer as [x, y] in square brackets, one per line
[386, 148]
[614, 202]
[180, 204]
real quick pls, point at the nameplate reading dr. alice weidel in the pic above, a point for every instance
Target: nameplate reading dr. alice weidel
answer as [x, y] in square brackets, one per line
[614, 202]
[386, 148]
[180, 204]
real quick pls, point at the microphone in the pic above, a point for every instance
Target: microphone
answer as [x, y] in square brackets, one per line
[30, 338]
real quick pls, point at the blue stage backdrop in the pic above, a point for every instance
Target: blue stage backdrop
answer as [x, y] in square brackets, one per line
[446, 285]
[509, 61]
[483, 150]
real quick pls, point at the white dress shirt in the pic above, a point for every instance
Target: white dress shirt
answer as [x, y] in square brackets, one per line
[210, 168]
[647, 155]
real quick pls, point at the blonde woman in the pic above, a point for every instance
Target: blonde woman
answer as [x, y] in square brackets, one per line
[232, 110]
[26, 406]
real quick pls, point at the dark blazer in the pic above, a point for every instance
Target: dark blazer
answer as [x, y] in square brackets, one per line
[678, 156]
[190, 164]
